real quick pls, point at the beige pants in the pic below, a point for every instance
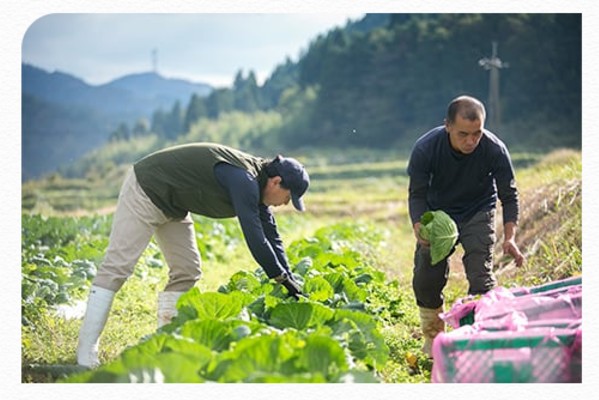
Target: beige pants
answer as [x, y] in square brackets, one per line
[135, 220]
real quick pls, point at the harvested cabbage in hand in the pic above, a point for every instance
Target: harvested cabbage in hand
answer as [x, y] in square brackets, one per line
[441, 231]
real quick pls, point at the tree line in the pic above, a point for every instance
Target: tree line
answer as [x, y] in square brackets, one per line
[386, 78]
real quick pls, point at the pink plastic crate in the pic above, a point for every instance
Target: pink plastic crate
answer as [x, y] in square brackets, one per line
[467, 310]
[540, 354]
[519, 335]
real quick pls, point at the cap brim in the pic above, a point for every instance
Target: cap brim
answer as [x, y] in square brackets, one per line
[298, 203]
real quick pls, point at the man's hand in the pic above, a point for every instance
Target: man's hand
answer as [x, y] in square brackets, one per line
[509, 243]
[293, 288]
[420, 240]
[510, 247]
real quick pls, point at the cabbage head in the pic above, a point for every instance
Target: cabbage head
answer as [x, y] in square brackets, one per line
[441, 231]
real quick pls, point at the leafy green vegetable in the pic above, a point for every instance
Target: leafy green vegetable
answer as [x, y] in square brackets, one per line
[318, 289]
[323, 355]
[441, 231]
[250, 331]
[254, 356]
[211, 305]
[300, 315]
[214, 334]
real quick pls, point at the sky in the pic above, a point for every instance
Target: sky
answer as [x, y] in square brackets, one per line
[207, 48]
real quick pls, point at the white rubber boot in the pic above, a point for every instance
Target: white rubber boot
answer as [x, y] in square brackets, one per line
[167, 307]
[96, 314]
[431, 326]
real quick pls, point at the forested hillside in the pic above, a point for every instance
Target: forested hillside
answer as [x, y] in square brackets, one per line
[387, 77]
[394, 81]
[381, 81]
[60, 108]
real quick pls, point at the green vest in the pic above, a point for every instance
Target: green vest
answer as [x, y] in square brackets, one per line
[181, 179]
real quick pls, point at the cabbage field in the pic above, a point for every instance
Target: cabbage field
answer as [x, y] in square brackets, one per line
[352, 251]
[247, 330]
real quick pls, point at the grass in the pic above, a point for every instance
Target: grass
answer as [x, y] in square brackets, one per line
[374, 193]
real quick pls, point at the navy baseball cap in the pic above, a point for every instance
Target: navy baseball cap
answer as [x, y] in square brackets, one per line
[293, 177]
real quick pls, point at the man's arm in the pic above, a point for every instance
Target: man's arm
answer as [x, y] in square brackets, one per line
[508, 194]
[269, 226]
[417, 192]
[245, 196]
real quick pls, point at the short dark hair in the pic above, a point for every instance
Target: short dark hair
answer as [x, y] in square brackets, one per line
[467, 107]
[271, 169]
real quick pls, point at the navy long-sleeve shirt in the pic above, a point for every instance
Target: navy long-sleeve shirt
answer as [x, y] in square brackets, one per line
[461, 184]
[256, 219]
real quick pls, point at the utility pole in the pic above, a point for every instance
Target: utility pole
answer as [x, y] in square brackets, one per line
[155, 60]
[493, 65]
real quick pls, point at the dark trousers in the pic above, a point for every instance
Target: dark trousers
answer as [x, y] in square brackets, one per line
[477, 237]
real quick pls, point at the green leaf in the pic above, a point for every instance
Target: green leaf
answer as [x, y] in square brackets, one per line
[303, 266]
[300, 315]
[211, 305]
[323, 355]
[345, 261]
[161, 358]
[167, 343]
[244, 281]
[271, 302]
[318, 289]
[306, 248]
[341, 283]
[146, 368]
[255, 356]
[214, 334]
[361, 334]
[171, 367]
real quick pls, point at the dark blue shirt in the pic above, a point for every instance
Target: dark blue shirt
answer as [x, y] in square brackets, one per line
[461, 184]
[256, 220]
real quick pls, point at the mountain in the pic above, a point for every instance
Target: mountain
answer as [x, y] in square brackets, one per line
[59, 107]
[53, 135]
[150, 85]
[128, 98]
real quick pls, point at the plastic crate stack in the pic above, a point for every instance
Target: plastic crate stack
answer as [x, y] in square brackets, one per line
[519, 335]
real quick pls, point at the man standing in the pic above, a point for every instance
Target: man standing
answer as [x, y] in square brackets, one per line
[462, 169]
[157, 198]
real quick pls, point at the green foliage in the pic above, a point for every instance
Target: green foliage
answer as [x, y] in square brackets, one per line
[386, 84]
[250, 331]
[236, 129]
[169, 125]
[196, 109]
[282, 78]
[114, 153]
[59, 258]
[299, 316]
[210, 305]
